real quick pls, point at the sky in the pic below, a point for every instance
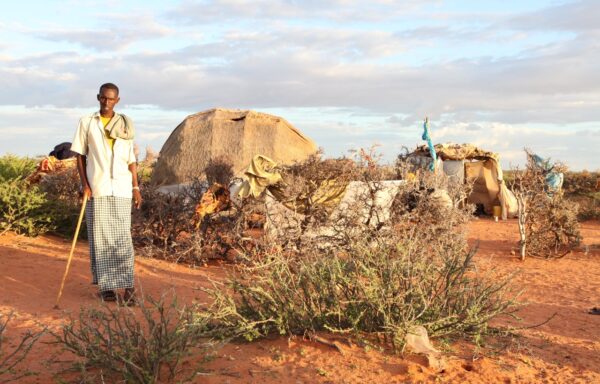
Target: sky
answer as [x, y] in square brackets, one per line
[503, 75]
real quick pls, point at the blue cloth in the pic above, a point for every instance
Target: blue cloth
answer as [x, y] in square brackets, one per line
[554, 180]
[542, 163]
[426, 137]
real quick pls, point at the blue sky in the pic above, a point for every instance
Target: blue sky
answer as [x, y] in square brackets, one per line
[500, 74]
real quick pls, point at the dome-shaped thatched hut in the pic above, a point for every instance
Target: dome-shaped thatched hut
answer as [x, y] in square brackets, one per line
[234, 134]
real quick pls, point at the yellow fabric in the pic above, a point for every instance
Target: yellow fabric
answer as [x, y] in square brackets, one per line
[110, 140]
[261, 175]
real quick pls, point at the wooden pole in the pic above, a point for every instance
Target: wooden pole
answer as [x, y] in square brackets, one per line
[62, 284]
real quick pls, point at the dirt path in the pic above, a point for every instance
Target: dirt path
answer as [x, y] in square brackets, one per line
[565, 349]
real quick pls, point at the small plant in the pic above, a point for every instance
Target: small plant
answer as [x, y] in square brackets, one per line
[10, 361]
[144, 348]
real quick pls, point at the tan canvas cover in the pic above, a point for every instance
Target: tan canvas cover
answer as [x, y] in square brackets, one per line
[235, 134]
[486, 173]
[484, 177]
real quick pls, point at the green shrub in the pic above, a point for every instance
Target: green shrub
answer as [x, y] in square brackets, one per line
[124, 346]
[53, 205]
[386, 289]
[22, 209]
[14, 167]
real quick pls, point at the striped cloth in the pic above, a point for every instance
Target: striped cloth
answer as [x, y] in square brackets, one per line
[108, 220]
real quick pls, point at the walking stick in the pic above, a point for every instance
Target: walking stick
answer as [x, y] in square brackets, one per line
[62, 284]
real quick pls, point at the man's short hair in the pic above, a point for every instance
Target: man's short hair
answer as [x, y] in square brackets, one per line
[109, 86]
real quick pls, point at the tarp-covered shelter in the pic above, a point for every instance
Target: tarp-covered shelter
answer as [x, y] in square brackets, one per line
[237, 135]
[482, 168]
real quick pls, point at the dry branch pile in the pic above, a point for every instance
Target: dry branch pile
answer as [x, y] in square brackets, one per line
[547, 221]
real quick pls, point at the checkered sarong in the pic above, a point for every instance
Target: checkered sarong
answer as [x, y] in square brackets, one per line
[108, 220]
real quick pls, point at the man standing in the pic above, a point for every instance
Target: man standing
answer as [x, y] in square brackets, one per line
[107, 168]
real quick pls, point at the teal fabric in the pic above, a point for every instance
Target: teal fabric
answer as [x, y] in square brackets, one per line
[554, 180]
[427, 138]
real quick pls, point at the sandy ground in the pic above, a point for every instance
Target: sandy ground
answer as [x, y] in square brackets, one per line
[566, 349]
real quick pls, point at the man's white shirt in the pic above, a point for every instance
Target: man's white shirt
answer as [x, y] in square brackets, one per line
[107, 170]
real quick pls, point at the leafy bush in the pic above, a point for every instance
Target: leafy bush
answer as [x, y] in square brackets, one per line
[387, 289]
[119, 345]
[15, 167]
[10, 361]
[22, 209]
[52, 205]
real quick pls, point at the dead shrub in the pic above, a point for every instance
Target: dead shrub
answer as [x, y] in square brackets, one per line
[547, 221]
[163, 227]
[167, 228]
[219, 170]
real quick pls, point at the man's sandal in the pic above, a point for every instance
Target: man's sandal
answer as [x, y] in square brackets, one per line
[108, 296]
[594, 311]
[129, 297]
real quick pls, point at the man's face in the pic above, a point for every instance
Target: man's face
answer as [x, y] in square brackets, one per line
[108, 98]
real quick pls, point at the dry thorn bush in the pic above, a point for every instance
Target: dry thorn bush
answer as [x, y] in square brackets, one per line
[548, 222]
[164, 227]
[219, 170]
[362, 270]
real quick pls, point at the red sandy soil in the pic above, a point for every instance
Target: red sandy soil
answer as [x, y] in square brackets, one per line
[566, 349]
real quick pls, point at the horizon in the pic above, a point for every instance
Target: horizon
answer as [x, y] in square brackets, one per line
[502, 75]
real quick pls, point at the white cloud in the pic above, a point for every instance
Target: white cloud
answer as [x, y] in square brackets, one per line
[373, 61]
[114, 32]
[218, 11]
[579, 16]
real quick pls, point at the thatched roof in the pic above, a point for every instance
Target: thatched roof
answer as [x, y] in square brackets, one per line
[451, 151]
[235, 134]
